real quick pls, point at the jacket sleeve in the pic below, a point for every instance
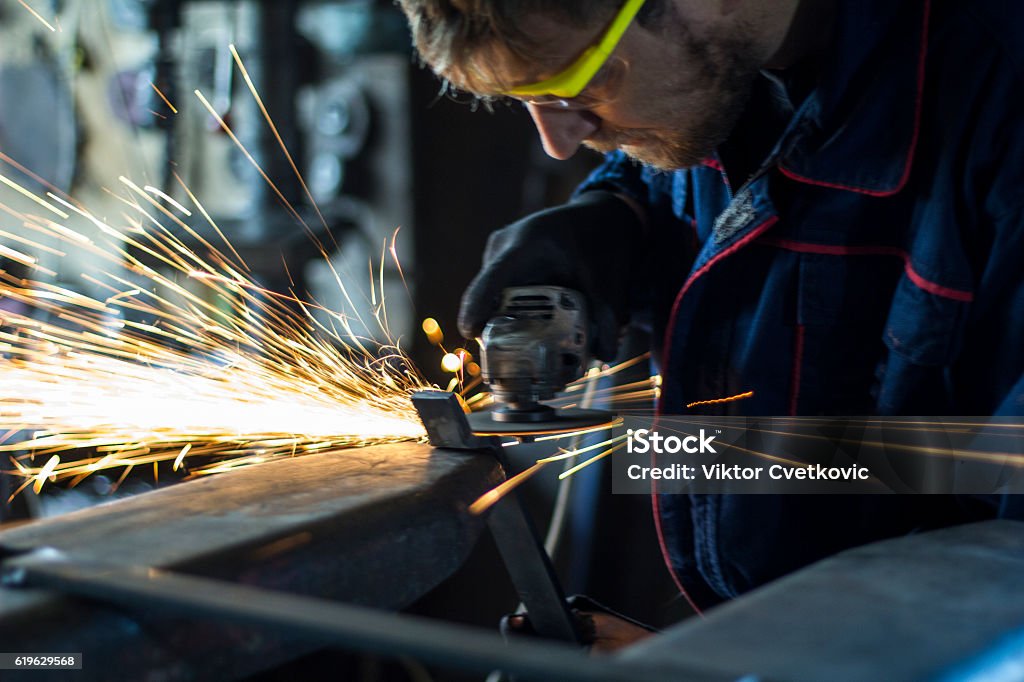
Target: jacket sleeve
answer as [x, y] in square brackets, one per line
[662, 194]
[669, 243]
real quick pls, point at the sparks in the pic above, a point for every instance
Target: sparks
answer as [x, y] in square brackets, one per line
[716, 401]
[568, 454]
[584, 464]
[240, 381]
[451, 362]
[494, 495]
[164, 98]
[38, 16]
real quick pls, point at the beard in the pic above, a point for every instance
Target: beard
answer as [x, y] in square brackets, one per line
[698, 110]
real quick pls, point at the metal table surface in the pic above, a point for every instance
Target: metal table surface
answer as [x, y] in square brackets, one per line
[942, 605]
[377, 526]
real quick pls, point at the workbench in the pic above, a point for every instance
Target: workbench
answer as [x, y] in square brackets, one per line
[376, 526]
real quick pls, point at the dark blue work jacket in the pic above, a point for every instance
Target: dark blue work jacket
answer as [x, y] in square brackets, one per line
[873, 264]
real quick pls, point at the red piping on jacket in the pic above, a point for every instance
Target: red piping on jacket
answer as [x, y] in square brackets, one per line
[918, 99]
[908, 267]
[733, 248]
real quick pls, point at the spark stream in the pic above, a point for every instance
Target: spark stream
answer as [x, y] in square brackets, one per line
[216, 367]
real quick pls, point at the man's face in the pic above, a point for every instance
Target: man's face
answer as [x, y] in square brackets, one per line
[685, 83]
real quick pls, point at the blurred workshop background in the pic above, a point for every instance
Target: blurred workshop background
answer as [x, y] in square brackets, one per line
[92, 90]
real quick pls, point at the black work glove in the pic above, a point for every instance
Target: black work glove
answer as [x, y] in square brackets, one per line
[591, 244]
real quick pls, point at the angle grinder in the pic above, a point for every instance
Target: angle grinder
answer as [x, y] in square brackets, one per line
[533, 348]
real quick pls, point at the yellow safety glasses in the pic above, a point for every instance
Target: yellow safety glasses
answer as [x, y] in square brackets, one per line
[568, 84]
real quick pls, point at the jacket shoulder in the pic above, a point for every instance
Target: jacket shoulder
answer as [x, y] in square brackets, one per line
[995, 25]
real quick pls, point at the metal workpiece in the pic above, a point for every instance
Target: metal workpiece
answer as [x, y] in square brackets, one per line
[527, 562]
[446, 422]
[447, 645]
[378, 526]
[532, 573]
[943, 605]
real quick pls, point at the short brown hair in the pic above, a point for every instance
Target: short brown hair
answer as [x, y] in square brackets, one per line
[456, 37]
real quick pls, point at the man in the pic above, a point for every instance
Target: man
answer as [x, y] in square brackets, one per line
[817, 201]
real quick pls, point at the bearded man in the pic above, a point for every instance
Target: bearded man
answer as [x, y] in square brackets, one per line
[814, 200]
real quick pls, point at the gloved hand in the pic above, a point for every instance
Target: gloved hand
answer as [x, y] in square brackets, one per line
[592, 245]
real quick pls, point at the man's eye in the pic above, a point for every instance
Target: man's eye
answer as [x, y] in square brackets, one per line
[545, 100]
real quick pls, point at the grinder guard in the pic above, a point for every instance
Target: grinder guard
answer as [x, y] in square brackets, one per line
[533, 349]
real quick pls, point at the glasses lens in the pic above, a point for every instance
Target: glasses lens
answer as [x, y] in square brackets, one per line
[473, 101]
[604, 88]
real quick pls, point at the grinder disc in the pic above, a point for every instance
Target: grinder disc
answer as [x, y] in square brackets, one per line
[562, 421]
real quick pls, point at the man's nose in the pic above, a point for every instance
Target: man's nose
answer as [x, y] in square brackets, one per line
[563, 130]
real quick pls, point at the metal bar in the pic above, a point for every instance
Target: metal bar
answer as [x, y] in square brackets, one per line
[446, 423]
[527, 562]
[349, 627]
[531, 571]
[378, 526]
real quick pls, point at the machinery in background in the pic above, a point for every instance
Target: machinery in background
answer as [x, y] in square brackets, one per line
[111, 94]
[337, 94]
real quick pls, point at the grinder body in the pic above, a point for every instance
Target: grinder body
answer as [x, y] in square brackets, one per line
[534, 347]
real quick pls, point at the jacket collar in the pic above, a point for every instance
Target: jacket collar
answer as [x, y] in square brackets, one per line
[858, 129]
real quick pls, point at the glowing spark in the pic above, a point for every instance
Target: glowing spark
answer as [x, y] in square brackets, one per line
[595, 458]
[245, 152]
[28, 195]
[277, 136]
[18, 256]
[181, 456]
[163, 97]
[580, 383]
[1008, 458]
[716, 401]
[471, 385]
[209, 220]
[451, 362]
[41, 180]
[567, 454]
[38, 16]
[580, 432]
[45, 473]
[166, 197]
[621, 390]
[757, 453]
[480, 401]
[433, 331]
[398, 263]
[492, 496]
